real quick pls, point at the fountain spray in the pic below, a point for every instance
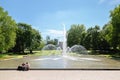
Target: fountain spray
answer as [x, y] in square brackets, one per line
[64, 53]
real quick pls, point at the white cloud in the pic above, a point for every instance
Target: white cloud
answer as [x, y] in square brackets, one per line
[58, 34]
[55, 32]
[51, 23]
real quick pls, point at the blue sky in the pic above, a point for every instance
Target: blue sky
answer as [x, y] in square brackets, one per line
[47, 16]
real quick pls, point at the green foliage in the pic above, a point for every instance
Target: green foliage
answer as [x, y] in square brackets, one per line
[92, 38]
[7, 31]
[27, 38]
[35, 40]
[105, 39]
[42, 44]
[115, 20]
[51, 41]
[55, 41]
[106, 33]
[75, 35]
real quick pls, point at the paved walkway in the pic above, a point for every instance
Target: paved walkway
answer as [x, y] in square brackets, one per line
[59, 75]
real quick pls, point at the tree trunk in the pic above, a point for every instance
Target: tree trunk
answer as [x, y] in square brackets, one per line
[31, 51]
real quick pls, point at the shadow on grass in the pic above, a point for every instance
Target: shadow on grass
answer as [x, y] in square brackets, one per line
[113, 54]
[115, 57]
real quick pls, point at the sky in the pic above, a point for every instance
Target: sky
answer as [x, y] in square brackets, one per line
[47, 16]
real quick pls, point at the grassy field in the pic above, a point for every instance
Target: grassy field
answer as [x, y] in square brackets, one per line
[6, 56]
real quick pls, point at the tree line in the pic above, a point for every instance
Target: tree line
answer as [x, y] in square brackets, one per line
[16, 37]
[94, 38]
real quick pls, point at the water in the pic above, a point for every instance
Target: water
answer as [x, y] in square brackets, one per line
[78, 49]
[74, 49]
[49, 47]
[66, 51]
[58, 62]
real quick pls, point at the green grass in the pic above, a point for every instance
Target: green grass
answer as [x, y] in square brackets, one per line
[3, 55]
[6, 56]
[47, 53]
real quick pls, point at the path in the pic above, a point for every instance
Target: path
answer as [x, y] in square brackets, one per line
[59, 75]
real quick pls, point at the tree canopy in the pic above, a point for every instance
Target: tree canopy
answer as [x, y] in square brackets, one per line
[7, 31]
[27, 38]
[115, 21]
[75, 34]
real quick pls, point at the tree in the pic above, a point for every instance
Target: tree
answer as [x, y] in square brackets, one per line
[47, 39]
[115, 21]
[7, 31]
[55, 41]
[92, 39]
[75, 35]
[23, 35]
[27, 38]
[106, 34]
[51, 41]
[42, 44]
[35, 40]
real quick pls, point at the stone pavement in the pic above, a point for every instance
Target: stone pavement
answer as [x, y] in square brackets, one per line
[60, 75]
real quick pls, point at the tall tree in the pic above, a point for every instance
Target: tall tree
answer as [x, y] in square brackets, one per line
[23, 35]
[92, 38]
[35, 40]
[47, 39]
[27, 38]
[75, 35]
[51, 41]
[7, 31]
[55, 41]
[106, 34]
[115, 20]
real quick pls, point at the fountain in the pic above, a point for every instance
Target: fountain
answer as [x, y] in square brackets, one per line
[64, 59]
[78, 49]
[49, 47]
[64, 53]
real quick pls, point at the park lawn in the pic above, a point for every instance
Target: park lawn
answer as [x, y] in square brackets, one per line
[6, 56]
[45, 53]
